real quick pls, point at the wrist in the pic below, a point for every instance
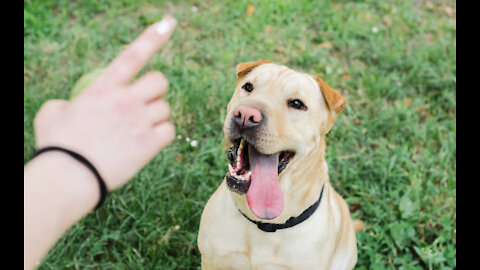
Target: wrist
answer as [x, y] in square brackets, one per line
[58, 191]
[101, 183]
[72, 185]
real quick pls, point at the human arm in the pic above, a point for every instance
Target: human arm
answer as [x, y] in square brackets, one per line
[117, 125]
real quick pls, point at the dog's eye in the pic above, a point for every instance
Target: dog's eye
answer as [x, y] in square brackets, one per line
[297, 104]
[248, 87]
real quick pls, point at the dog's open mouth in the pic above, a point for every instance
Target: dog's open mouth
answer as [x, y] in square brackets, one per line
[255, 174]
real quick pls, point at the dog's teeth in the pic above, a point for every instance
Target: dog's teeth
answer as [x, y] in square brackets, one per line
[230, 168]
[247, 176]
[241, 146]
[239, 161]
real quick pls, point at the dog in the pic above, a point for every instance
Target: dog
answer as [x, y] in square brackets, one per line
[276, 208]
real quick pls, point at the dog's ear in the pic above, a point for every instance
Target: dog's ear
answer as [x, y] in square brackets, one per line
[244, 68]
[334, 100]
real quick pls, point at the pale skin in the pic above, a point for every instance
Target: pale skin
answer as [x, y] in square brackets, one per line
[117, 124]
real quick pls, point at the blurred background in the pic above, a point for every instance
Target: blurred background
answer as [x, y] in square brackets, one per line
[391, 153]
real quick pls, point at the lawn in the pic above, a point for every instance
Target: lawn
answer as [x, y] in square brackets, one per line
[391, 153]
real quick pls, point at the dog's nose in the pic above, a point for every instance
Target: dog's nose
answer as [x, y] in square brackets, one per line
[247, 116]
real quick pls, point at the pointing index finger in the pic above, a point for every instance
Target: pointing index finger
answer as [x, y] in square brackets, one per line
[135, 56]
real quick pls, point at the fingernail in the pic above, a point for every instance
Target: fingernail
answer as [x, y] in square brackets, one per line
[166, 24]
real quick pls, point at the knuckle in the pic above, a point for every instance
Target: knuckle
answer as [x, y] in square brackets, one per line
[165, 106]
[159, 79]
[159, 111]
[168, 132]
[157, 76]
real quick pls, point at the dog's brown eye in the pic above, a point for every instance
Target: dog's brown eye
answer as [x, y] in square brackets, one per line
[297, 104]
[248, 87]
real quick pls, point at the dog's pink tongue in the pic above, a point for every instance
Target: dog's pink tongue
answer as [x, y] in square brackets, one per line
[264, 196]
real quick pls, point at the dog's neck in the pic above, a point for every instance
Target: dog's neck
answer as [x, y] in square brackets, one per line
[300, 183]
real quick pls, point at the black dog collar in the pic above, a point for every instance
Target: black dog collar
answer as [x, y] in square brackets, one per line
[272, 227]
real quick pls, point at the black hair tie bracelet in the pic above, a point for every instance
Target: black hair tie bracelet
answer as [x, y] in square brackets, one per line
[84, 161]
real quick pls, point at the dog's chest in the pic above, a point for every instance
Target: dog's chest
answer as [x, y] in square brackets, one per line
[261, 250]
[293, 250]
[233, 242]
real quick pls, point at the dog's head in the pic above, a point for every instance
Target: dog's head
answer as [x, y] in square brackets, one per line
[275, 115]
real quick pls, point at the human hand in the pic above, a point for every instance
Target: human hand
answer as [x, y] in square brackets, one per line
[117, 125]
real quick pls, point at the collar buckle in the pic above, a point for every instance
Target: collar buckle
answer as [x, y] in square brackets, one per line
[267, 227]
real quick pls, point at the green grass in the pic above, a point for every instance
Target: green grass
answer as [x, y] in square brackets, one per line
[391, 154]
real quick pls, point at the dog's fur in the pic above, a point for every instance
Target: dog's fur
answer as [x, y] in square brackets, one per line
[326, 240]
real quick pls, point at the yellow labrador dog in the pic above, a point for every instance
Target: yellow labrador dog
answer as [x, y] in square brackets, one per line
[276, 208]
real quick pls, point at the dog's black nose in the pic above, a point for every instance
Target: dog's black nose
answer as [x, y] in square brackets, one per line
[247, 116]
